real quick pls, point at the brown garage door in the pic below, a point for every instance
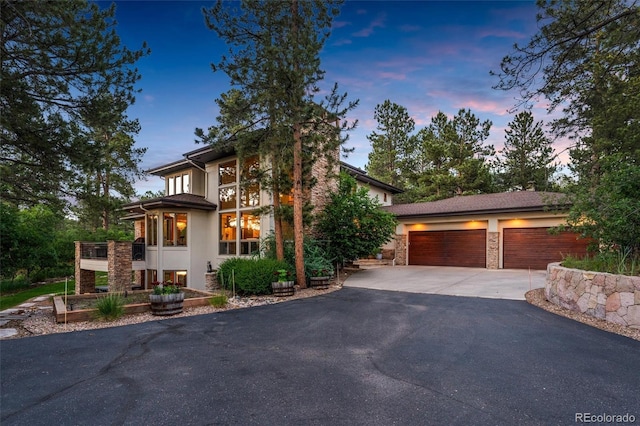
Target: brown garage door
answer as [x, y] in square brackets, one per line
[534, 248]
[448, 248]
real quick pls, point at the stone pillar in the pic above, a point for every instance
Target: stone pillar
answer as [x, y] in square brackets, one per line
[85, 280]
[211, 281]
[493, 250]
[401, 249]
[119, 261]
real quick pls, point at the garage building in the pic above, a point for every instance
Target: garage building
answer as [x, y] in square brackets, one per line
[513, 230]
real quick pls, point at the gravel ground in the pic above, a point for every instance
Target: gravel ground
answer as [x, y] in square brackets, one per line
[41, 320]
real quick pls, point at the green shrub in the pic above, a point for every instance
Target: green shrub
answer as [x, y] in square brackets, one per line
[110, 307]
[251, 276]
[316, 261]
[166, 289]
[10, 286]
[219, 301]
[613, 262]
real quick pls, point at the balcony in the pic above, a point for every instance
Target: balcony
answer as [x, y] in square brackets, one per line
[99, 251]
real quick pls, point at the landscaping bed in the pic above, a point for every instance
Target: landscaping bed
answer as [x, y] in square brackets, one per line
[81, 307]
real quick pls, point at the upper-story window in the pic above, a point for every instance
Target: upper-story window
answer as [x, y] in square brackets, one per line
[178, 184]
[174, 229]
[238, 196]
[152, 229]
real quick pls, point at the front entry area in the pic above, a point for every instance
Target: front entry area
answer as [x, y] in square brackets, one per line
[448, 248]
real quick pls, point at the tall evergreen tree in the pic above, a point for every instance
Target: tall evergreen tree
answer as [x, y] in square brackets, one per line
[56, 58]
[391, 144]
[589, 56]
[274, 63]
[527, 157]
[452, 157]
[106, 180]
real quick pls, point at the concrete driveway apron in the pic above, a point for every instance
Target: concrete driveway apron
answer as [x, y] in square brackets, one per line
[452, 281]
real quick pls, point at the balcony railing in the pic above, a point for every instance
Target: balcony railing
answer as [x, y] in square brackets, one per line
[99, 251]
[137, 251]
[94, 251]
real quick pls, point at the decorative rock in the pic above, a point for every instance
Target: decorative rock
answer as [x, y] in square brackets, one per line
[633, 316]
[625, 284]
[613, 302]
[7, 332]
[626, 299]
[616, 298]
[615, 318]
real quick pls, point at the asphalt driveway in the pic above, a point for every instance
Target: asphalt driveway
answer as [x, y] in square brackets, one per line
[453, 281]
[355, 356]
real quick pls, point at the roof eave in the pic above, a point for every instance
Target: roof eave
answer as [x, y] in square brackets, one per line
[486, 211]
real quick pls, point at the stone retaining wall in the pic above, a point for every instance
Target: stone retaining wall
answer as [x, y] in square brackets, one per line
[615, 298]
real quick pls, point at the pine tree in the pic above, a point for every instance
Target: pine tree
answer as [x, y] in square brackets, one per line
[586, 61]
[391, 145]
[527, 157]
[57, 57]
[274, 67]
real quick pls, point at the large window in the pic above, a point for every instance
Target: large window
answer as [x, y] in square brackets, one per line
[239, 196]
[174, 229]
[178, 278]
[152, 277]
[152, 230]
[178, 184]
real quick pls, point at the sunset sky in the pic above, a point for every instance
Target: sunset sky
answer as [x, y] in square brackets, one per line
[428, 56]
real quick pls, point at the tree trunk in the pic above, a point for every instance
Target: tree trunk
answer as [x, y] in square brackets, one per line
[298, 202]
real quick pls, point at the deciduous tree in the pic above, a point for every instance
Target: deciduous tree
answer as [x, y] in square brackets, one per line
[353, 223]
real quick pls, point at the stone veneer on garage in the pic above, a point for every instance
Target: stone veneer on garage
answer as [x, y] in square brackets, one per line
[614, 298]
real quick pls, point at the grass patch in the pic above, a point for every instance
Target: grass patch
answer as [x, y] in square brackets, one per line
[14, 299]
[619, 263]
[110, 307]
[219, 301]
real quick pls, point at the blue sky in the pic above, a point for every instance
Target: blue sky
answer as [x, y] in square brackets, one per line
[428, 56]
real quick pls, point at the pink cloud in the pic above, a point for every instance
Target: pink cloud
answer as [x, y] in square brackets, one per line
[392, 75]
[483, 106]
[376, 23]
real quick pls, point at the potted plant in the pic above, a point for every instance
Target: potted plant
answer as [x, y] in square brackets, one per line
[284, 284]
[166, 299]
[320, 277]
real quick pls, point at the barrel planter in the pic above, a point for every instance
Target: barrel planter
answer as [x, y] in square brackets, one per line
[283, 288]
[319, 283]
[166, 304]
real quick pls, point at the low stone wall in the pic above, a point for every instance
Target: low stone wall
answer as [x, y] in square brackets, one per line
[615, 298]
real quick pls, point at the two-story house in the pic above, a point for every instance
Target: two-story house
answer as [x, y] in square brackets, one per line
[208, 214]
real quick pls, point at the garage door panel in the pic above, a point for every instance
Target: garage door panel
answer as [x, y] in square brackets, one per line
[448, 248]
[535, 248]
